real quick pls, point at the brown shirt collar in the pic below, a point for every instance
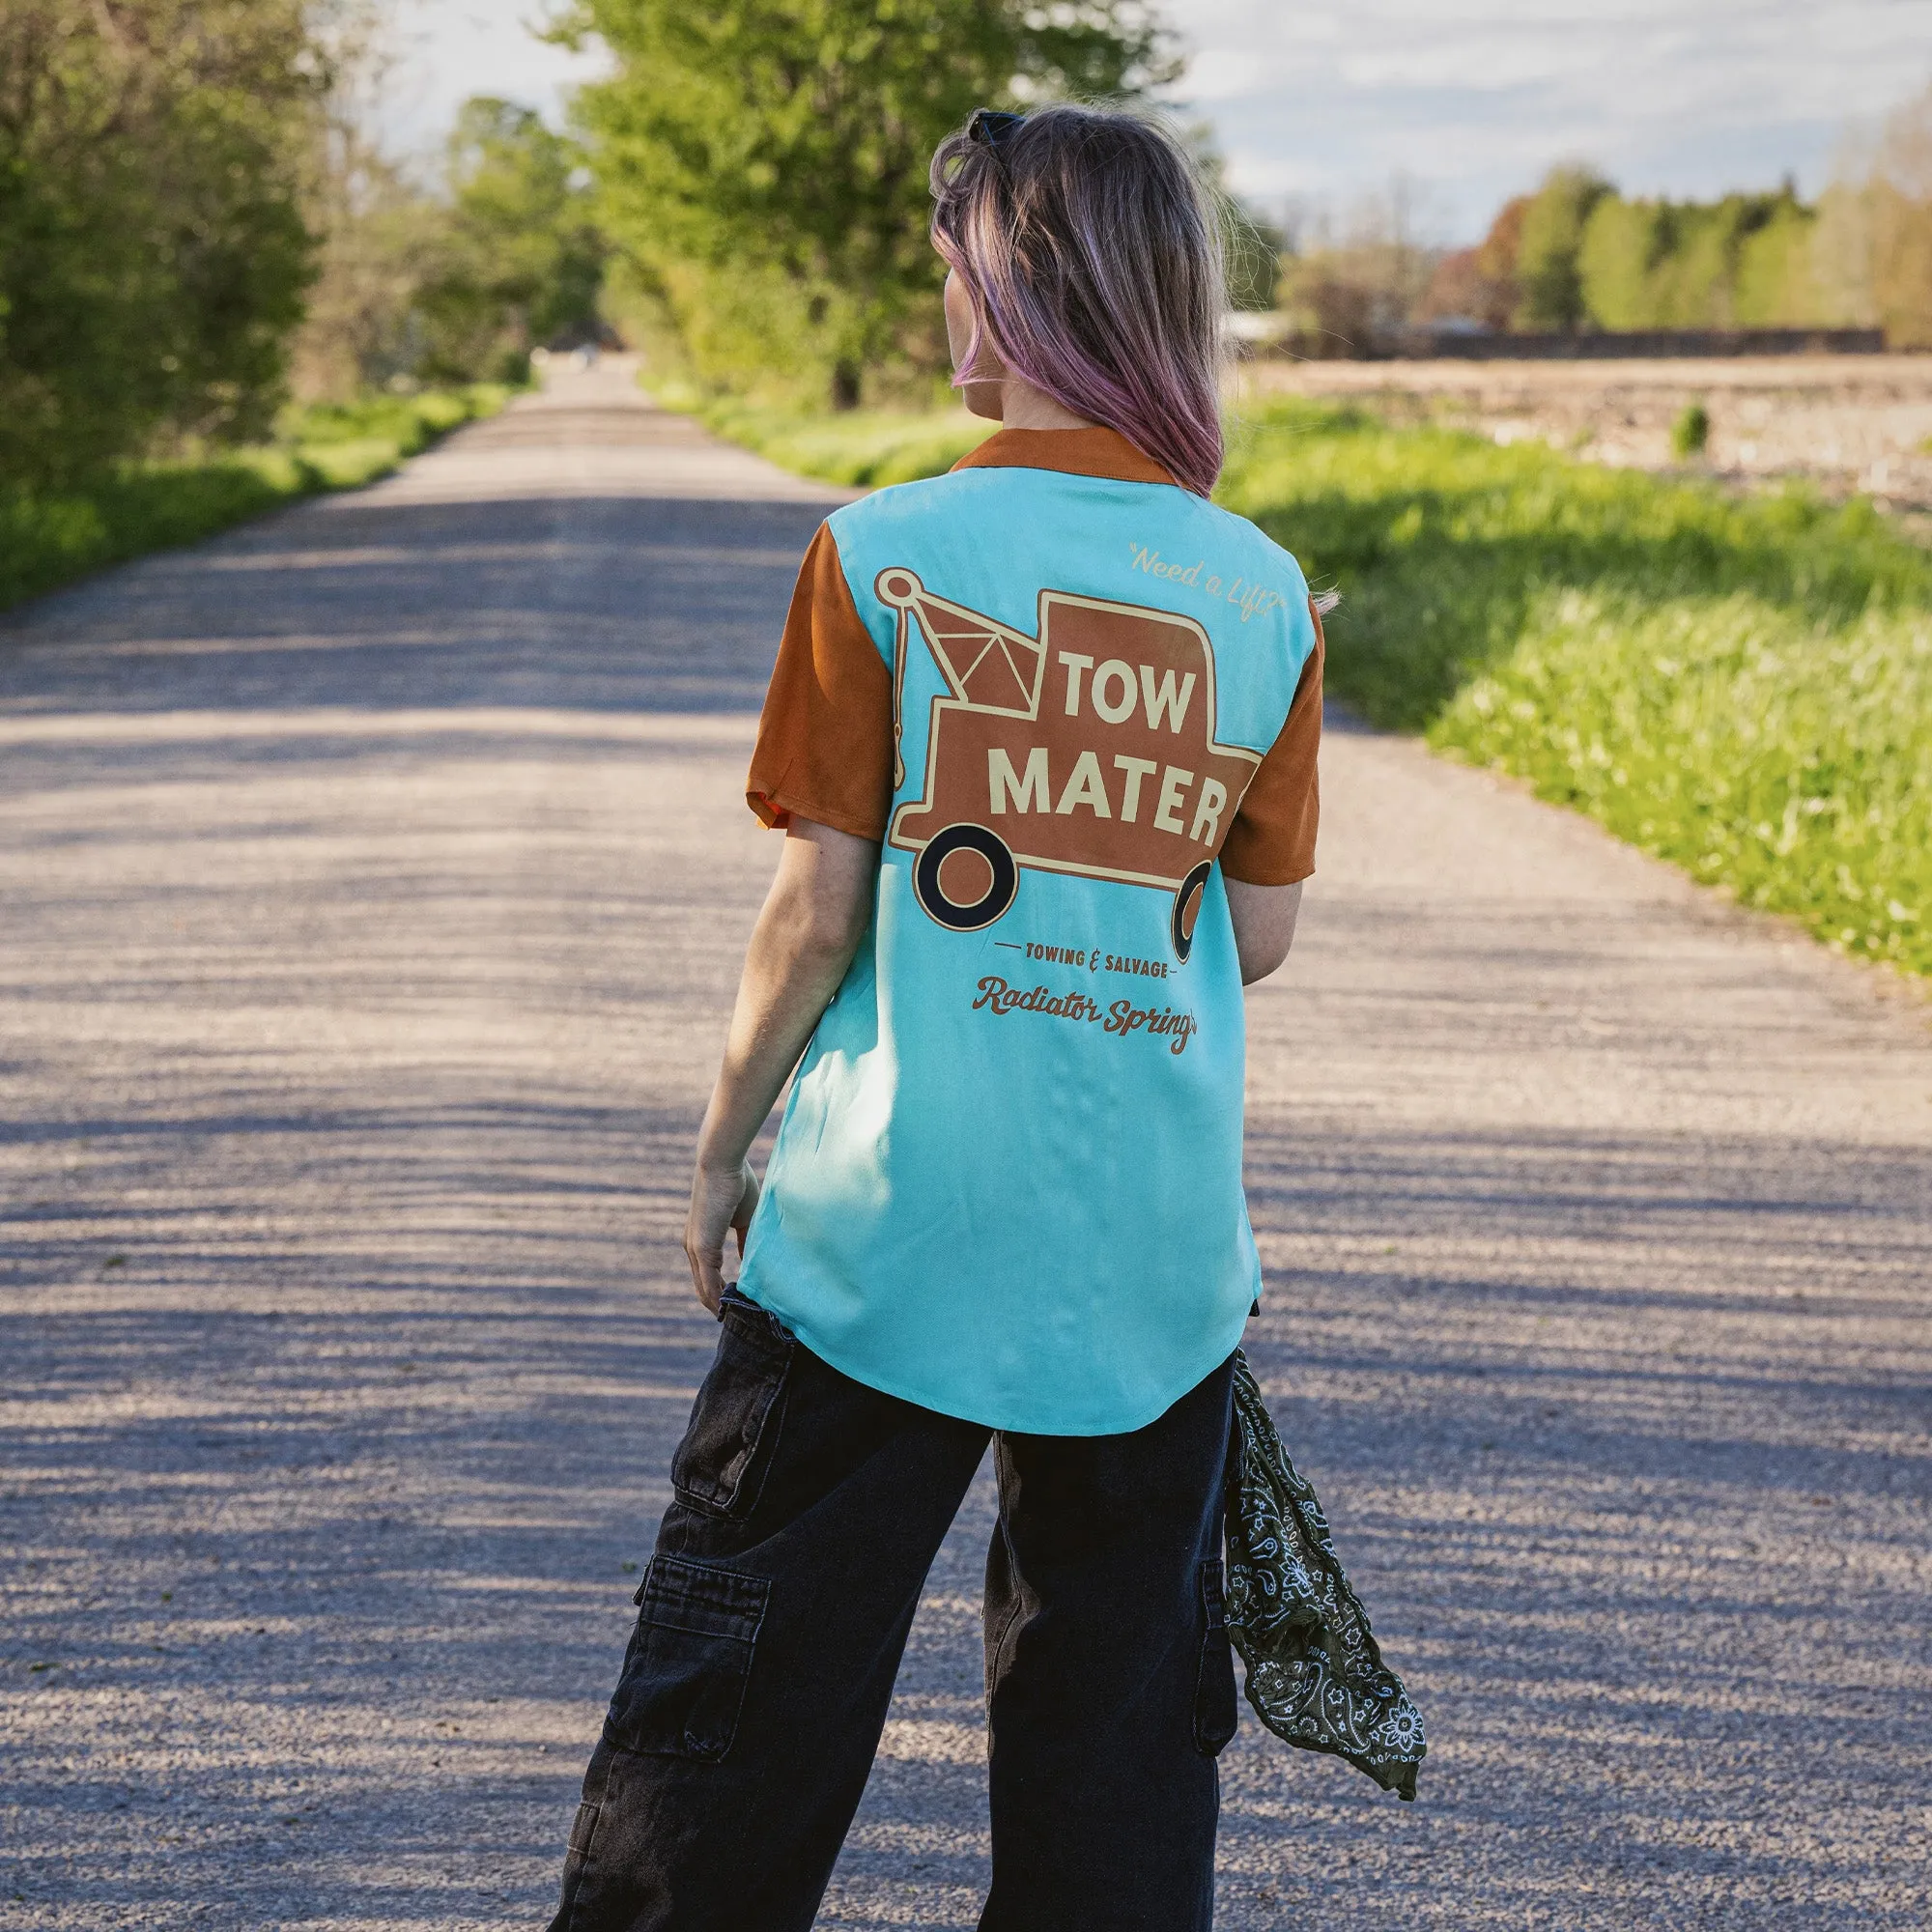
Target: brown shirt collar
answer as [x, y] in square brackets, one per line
[1074, 452]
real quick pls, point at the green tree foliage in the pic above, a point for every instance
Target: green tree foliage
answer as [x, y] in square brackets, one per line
[1547, 267]
[153, 251]
[522, 263]
[1740, 262]
[1776, 282]
[1862, 256]
[455, 280]
[764, 162]
[1622, 247]
[1896, 206]
[1577, 254]
[378, 235]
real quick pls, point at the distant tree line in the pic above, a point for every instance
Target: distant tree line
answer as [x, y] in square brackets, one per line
[1577, 255]
[195, 218]
[198, 220]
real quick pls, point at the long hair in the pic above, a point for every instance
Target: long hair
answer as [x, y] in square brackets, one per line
[1092, 258]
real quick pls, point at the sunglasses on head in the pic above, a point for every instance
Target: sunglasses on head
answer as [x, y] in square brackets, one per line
[992, 129]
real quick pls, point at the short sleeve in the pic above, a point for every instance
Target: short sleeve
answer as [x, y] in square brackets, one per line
[825, 740]
[1271, 842]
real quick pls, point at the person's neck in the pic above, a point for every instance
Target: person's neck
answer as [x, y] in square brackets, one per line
[1023, 407]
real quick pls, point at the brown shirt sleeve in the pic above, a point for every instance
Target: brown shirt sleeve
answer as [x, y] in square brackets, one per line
[1271, 842]
[825, 741]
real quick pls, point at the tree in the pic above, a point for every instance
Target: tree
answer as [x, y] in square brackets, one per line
[1478, 284]
[1548, 269]
[153, 251]
[1735, 263]
[1774, 283]
[1622, 245]
[1899, 193]
[1871, 251]
[375, 227]
[446, 279]
[1346, 291]
[783, 145]
[522, 262]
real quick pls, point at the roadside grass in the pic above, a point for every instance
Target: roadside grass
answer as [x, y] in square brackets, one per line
[1742, 686]
[49, 540]
[864, 450]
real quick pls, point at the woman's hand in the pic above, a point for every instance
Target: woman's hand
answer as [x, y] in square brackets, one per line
[722, 1200]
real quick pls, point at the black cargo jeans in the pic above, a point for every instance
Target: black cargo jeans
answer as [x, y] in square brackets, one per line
[772, 1617]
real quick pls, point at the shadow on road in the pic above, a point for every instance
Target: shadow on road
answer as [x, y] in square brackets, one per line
[365, 1484]
[374, 884]
[573, 604]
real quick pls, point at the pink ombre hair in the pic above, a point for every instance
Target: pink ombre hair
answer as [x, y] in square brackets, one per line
[1094, 262]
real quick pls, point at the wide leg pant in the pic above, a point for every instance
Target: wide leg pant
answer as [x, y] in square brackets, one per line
[773, 1616]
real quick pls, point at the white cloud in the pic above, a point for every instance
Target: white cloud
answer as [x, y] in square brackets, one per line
[1475, 101]
[1472, 99]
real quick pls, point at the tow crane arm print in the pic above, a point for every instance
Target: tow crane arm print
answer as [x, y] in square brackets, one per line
[1088, 748]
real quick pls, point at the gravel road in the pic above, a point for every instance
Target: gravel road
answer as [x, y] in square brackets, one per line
[372, 885]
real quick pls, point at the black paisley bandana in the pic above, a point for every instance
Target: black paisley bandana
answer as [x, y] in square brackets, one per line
[1316, 1677]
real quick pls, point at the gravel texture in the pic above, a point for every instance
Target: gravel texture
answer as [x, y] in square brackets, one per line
[372, 884]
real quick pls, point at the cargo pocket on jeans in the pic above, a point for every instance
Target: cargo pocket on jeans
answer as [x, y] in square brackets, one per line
[720, 1467]
[1216, 1710]
[684, 1677]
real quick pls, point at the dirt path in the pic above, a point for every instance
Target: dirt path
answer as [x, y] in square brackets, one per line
[372, 883]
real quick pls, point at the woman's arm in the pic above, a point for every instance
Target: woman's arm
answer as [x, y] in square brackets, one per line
[1264, 919]
[812, 921]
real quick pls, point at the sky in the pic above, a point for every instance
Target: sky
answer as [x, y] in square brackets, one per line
[453, 48]
[1471, 103]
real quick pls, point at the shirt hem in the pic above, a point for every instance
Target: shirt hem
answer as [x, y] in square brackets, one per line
[1291, 877]
[1008, 1422]
[776, 809]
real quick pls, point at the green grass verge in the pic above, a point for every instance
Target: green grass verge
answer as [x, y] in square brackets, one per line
[1739, 685]
[866, 449]
[46, 541]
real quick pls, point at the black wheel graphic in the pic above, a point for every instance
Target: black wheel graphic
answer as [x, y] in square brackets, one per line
[980, 862]
[1188, 909]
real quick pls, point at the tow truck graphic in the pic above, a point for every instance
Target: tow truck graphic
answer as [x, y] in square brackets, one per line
[1088, 748]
